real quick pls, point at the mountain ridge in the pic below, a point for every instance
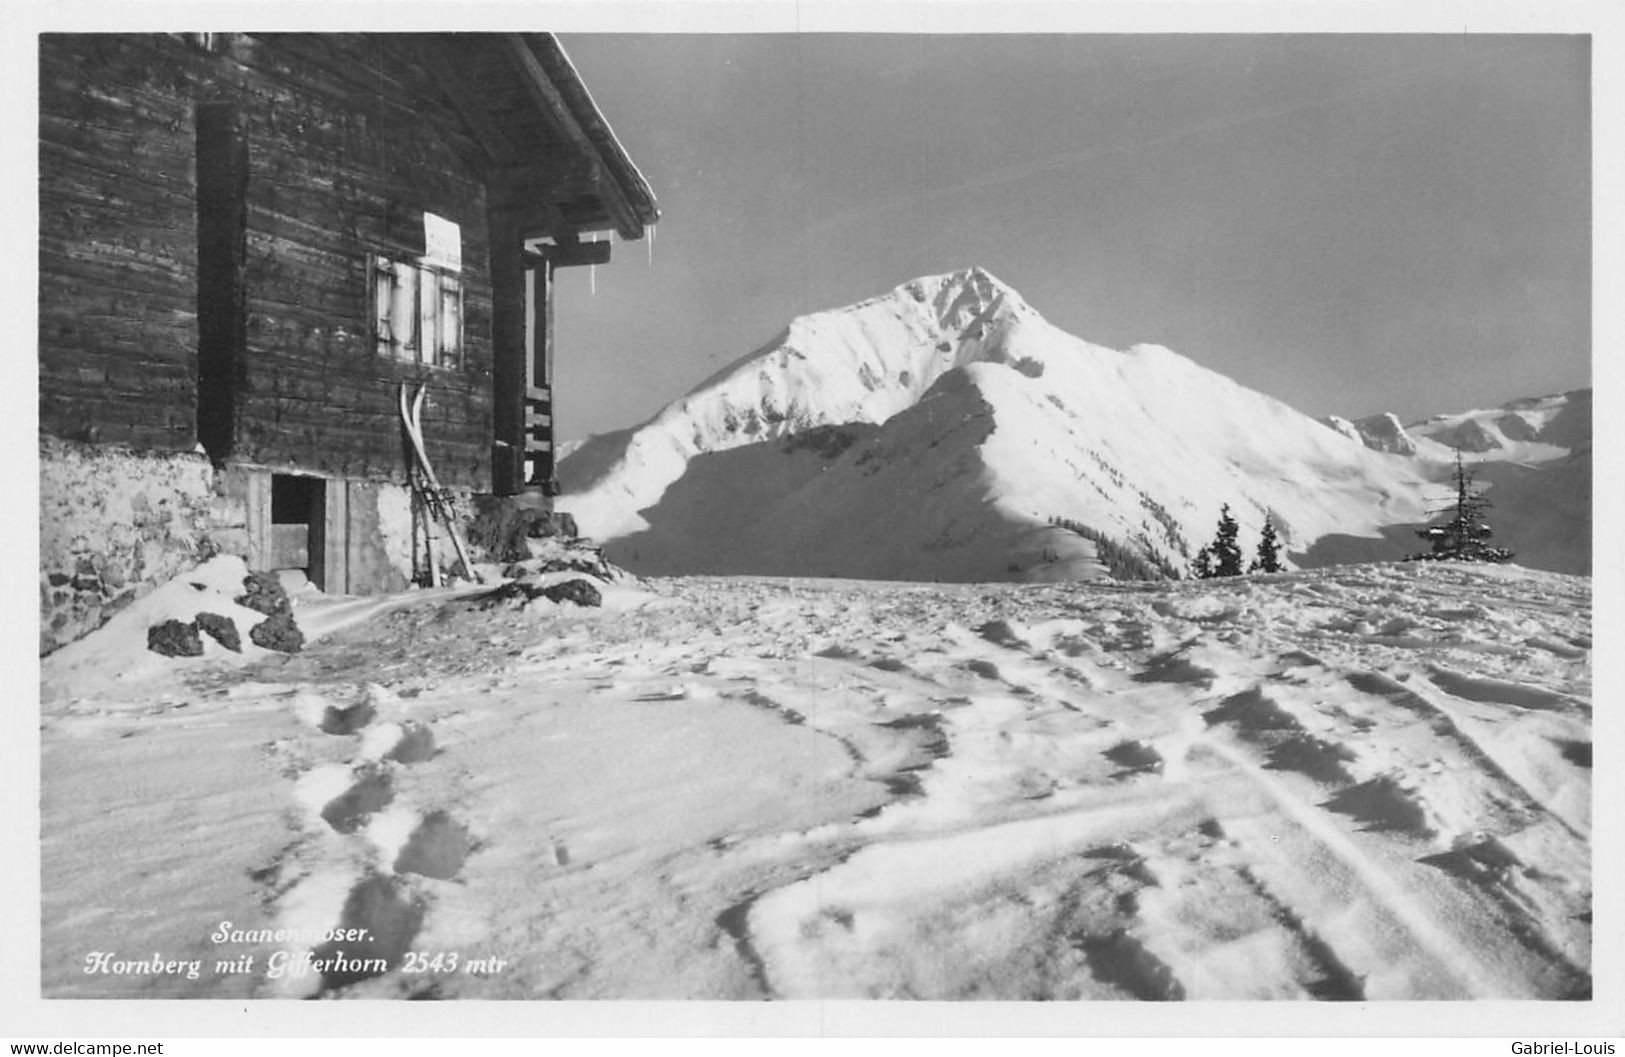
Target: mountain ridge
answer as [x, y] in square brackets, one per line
[945, 430]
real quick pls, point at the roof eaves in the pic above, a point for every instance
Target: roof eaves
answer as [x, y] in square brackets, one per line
[633, 184]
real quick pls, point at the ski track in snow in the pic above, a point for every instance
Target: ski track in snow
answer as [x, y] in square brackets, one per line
[1359, 783]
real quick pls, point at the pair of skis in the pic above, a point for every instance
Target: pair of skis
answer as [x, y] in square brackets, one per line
[434, 501]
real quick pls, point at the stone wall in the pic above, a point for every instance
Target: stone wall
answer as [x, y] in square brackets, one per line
[114, 523]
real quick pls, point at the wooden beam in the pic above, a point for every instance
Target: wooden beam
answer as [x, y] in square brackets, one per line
[546, 94]
[543, 220]
[557, 225]
[222, 248]
[507, 355]
[539, 374]
[556, 167]
[335, 531]
[560, 177]
[574, 254]
[465, 101]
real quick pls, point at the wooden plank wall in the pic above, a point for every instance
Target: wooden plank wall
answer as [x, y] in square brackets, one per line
[117, 241]
[348, 144]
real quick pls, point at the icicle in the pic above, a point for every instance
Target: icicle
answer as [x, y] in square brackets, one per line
[651, 245]
[592, 271]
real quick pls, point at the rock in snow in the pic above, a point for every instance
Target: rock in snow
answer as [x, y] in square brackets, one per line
[938, 432]
[172, 638]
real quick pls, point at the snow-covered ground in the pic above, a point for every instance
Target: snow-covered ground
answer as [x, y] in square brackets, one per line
[1366, 782]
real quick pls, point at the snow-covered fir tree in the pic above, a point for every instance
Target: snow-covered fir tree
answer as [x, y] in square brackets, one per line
[1268, 558]
[1222, 557]
[1226, 549]
[1465, 536]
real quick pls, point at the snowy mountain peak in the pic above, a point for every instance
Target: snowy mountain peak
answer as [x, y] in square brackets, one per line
[945, 430]
[961, 299]
[969, 311]
[863, 363]
[1529, 429]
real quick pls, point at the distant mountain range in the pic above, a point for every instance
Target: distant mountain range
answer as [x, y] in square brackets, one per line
[946, 431]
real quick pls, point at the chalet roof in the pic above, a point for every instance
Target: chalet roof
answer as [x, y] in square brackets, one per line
[612, 155]
[550, 159]
[549, 155]
[622, 199]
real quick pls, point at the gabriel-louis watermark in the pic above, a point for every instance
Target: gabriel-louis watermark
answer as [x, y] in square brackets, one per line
[1569, 1048]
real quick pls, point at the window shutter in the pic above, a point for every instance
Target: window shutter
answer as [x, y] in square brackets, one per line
[383, 296]
[403, 312]
[417, 312]
[428, 315]
[451, 321]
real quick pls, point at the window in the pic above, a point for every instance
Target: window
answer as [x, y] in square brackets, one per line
[417, 311]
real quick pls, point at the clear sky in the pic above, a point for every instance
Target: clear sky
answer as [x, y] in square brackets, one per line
[1350, 223]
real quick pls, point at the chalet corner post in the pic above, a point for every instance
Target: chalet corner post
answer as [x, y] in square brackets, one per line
[508, 368]
[541, 447]
[524, 457]
[540, 456]
[222, 238]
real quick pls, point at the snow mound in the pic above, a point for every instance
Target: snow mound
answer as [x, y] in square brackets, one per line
[116, 655]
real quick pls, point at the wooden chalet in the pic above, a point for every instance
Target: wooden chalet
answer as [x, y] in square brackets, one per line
[248, 243]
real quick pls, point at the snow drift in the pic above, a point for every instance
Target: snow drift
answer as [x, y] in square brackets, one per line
[1365, 784]
[947, 431]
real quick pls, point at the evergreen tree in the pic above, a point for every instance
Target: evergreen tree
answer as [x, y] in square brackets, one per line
[1226, 551]
[1465, 537]
[1268, 559]
[1222, 557]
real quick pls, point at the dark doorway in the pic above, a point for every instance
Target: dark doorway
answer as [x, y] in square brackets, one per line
[298, 526]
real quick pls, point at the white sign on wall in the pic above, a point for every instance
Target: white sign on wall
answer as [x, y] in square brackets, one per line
[442, 242]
